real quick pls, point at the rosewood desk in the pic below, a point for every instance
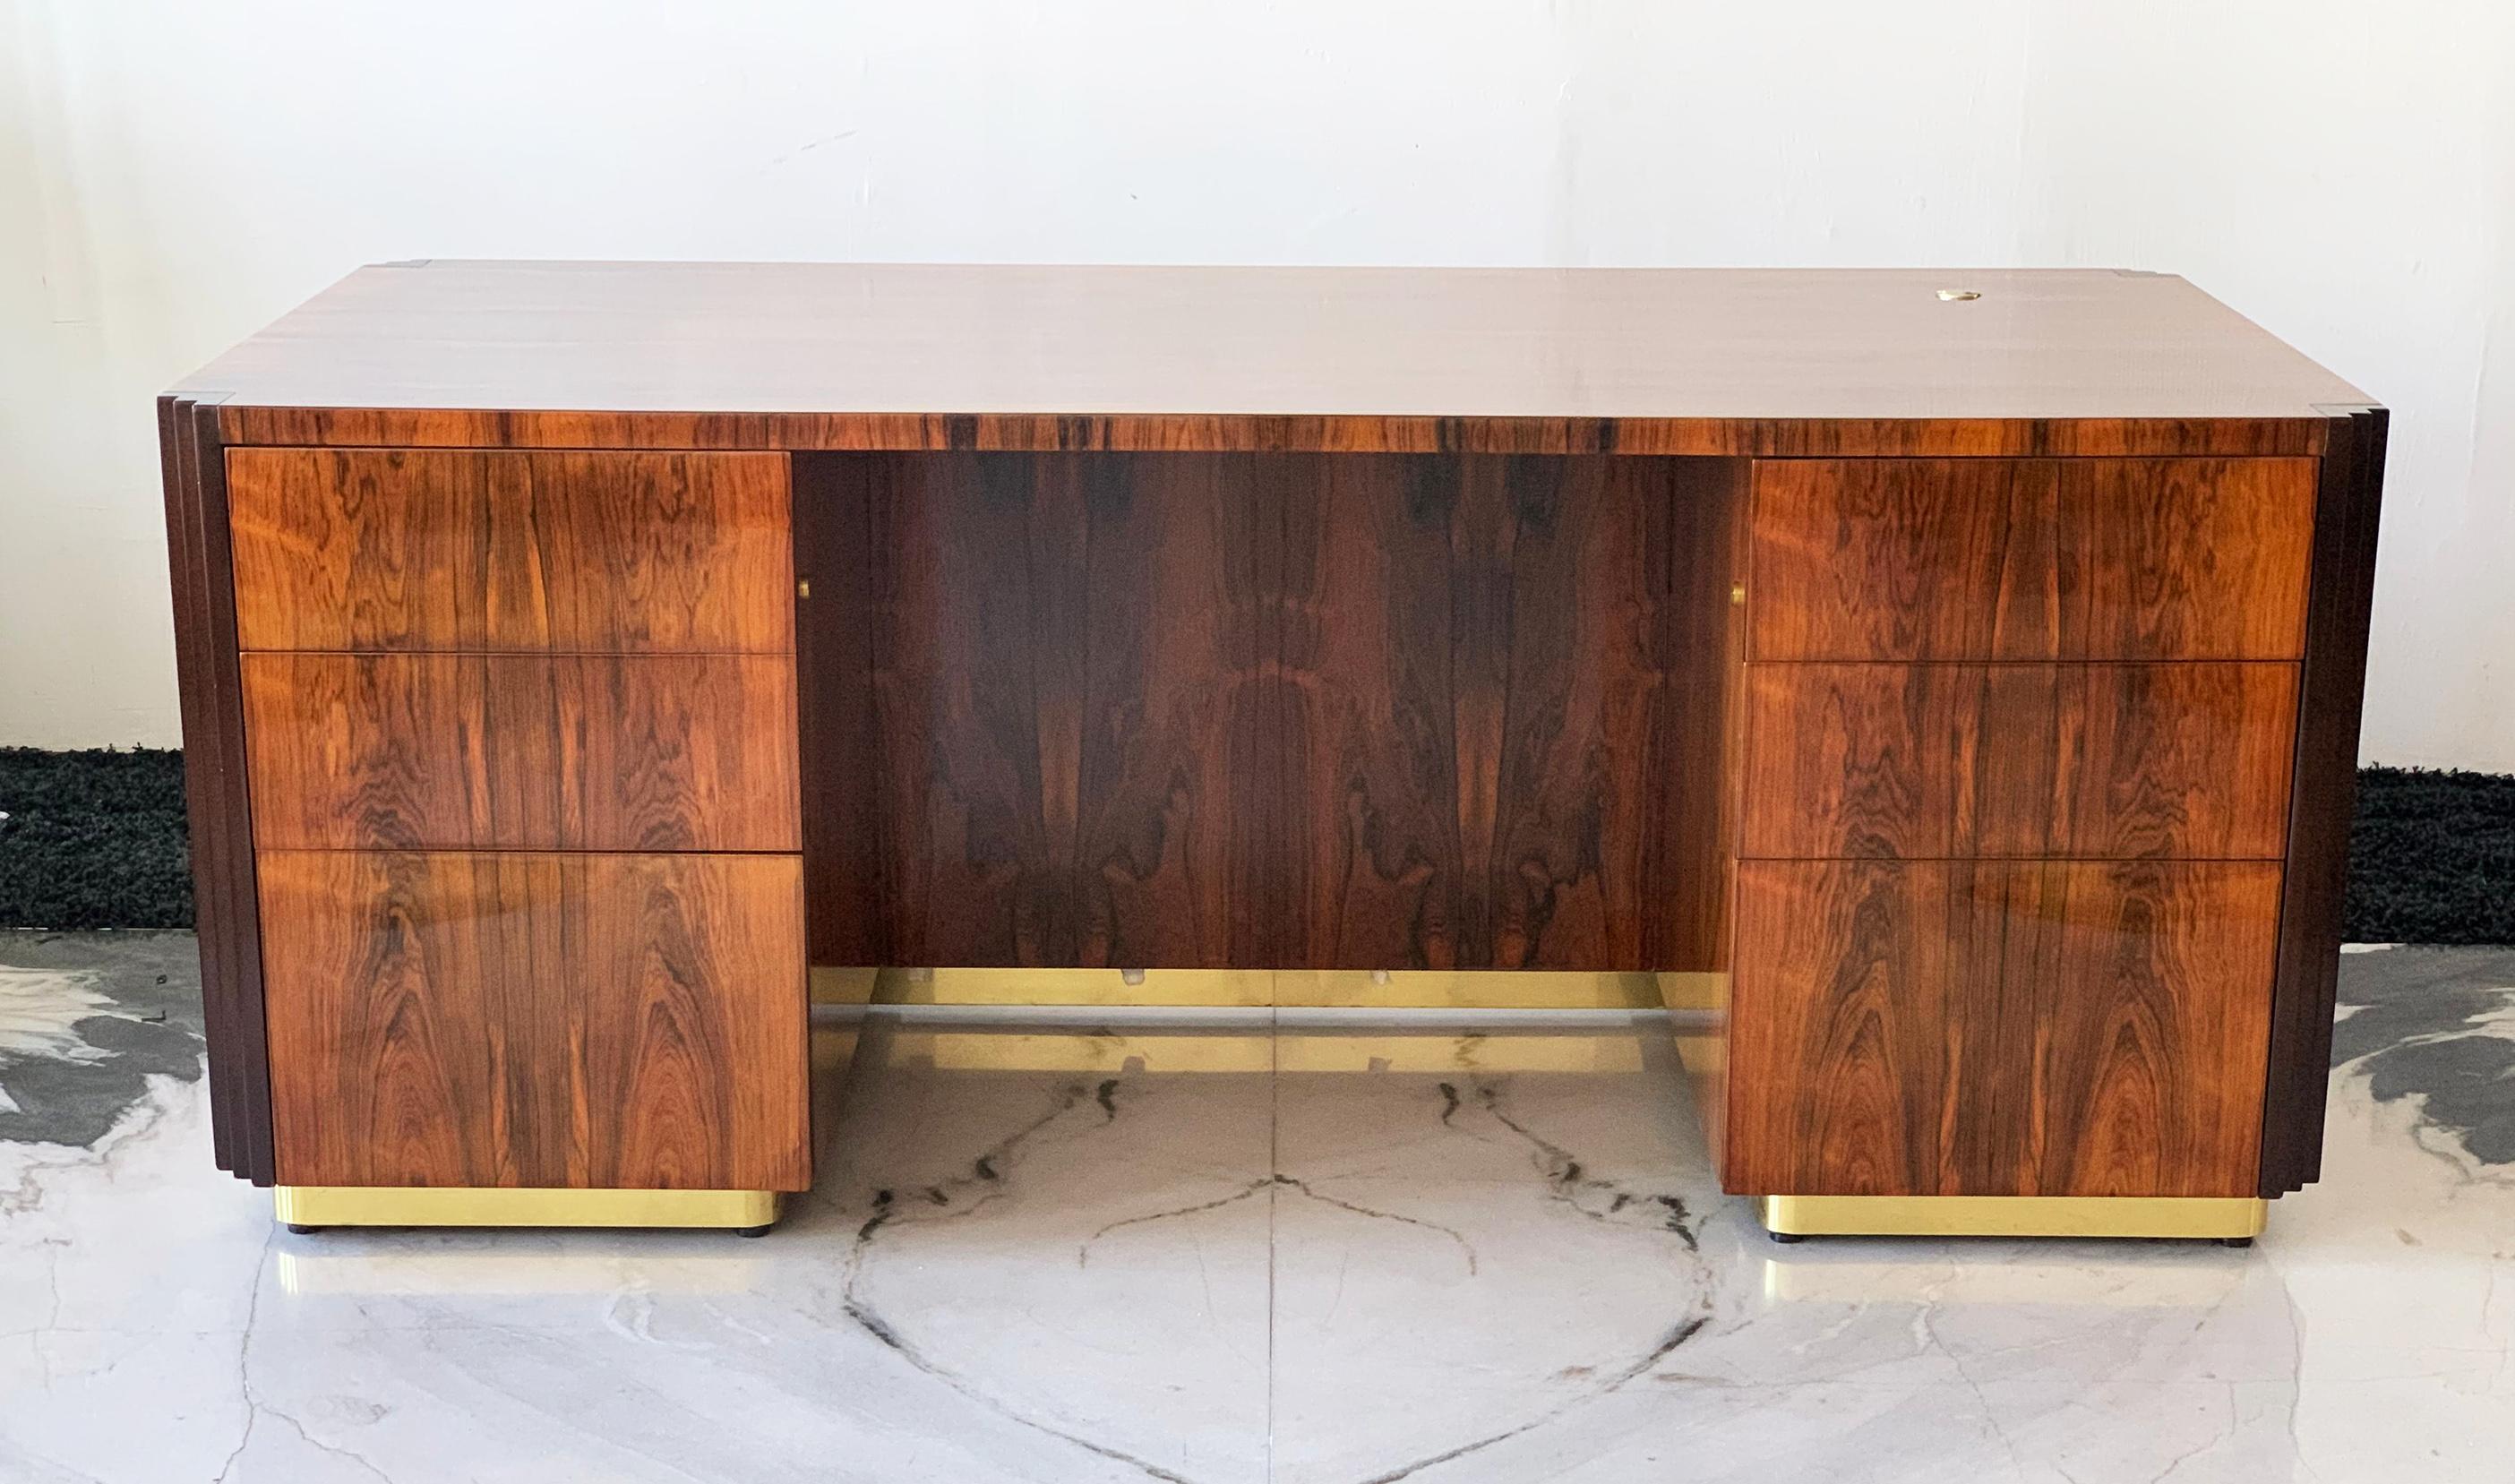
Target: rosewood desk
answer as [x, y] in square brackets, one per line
[1961, 668]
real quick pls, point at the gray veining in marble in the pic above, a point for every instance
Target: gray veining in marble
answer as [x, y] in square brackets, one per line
[84, 1020]
[1221, 1255]
[2438, 1025]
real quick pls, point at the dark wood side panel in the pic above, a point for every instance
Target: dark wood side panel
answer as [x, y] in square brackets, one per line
[217, 808]
[2348, 503]
[1698, 751]
[475, 551]
[1473, 739]
[538, 1020]
[1194, 710]
[2031, 1027]
[2088, 762]
[649, 752]
[1065, 687]
[847, 882]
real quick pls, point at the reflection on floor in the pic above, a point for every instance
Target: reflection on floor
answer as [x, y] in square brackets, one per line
[1213, 1257]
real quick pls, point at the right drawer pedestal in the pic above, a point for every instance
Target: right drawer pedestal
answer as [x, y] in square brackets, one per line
[2014, 801]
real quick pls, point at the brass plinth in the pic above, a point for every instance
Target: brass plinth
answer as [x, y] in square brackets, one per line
[2013, 1216]
[483, 1206]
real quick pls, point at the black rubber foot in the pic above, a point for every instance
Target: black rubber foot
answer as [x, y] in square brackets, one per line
[2235, 1241]
[1787, 1238]
[754, 1231]
[303, 1231]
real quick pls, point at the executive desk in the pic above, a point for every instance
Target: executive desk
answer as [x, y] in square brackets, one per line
[1961, 668]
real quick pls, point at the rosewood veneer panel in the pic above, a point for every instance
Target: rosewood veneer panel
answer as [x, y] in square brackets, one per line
[2019, 560]
[1228, 711]
[220, 820]
[1479, 693]
[2184, 761]
[2348, 506]
[596, 552]
[2103, 762]
[1903, 560]
[648, 751]
[2186, 559]
[1062, 682]
[536, 1019]
[2032, 1028]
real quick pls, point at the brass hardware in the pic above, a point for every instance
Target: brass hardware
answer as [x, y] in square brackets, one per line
[1500, 988]
[1958, 296]
[1072, 986]
[1242, 1052]
[803, 587]
[513, 1206]
[1737, 595]
[2013, 1216]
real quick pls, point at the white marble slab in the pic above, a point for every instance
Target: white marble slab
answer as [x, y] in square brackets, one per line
[1219, 1257]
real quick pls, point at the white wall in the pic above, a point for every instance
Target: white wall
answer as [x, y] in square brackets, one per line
[2345, 175]
[172, 175]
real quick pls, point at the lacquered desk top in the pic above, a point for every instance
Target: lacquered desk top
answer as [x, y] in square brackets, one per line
[835, 356]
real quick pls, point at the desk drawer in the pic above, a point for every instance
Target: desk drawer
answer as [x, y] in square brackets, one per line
[1999, 1027]
[477, 551]
[2092, 761]
[644, 752]
[536, 1019]
[2029, 558]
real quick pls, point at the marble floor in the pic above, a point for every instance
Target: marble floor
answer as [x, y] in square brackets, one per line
[1095, 1253]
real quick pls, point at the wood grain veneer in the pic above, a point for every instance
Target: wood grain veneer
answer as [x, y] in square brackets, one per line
[2047, 558]
[1223, 711]
[2185, 559]
[216, 807]
[648, 751]
[2166, 760]
[2014, 1028]
[2348, 506]
[1064, 700]
[1479, 696]
[1903, 560]
[2105, 762]
[537, 1021]
[1654, 362]
[598, 552]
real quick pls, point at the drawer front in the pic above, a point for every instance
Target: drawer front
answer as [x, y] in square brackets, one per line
[2097, 762]
[2029, 558]
[536, 1020]
[522, 752]
[363, 550]
[2000, 1028]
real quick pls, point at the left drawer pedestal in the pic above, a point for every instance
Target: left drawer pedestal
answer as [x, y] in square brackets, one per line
[520, 734]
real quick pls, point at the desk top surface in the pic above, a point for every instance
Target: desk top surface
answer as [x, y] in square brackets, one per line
[837, 341]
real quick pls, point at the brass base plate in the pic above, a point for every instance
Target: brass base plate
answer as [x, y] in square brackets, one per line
[2012, 1216]
[500, 1205]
